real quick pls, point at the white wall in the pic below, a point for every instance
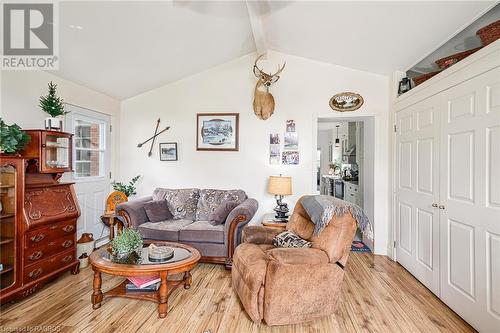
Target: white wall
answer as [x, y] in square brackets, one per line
[302, 94]
[20, 91]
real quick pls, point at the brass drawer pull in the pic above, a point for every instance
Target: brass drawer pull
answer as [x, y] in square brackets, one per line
[68, 228]
[35, 273]
[36, 255]
[67, 243]
[37, 238]
[67, 259]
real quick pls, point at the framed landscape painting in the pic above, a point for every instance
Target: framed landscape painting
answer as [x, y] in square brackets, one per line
[217, 131]
[168, 151]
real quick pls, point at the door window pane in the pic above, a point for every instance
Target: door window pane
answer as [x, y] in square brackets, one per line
[89, 149]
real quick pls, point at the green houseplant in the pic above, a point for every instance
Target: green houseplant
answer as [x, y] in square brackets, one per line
[12, 138]
[126, 248]
[129, 189]
[54, 107]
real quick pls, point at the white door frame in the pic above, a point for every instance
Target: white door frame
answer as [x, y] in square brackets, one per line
[105, 119]
[369, 121]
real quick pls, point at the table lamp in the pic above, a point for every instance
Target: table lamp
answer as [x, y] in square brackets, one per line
[280, 186]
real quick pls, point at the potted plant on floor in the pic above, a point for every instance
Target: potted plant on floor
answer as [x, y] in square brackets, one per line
[12, 138]
[126, 248]
[53, 106]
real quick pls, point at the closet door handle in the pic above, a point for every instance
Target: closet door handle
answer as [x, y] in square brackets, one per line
[435, 205]
[441, 207]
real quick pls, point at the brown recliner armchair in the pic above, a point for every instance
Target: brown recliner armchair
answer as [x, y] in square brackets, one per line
[292, 285]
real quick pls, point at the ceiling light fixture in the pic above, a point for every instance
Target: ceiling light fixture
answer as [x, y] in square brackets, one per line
[337, 140]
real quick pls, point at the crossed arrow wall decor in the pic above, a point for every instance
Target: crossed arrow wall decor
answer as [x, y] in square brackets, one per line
[153, 138]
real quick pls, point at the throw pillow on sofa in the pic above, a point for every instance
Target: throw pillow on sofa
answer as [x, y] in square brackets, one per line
[157, 210]
[182, 202]
[289, 239]
[220, 214]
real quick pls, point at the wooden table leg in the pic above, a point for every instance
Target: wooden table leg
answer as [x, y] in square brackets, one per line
[111, 228]
[188, 279]
[97, 293]
[163, 295]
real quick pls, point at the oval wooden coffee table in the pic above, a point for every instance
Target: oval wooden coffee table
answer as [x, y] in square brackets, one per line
[184, 260]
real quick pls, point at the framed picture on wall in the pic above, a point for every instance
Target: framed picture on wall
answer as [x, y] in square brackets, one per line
[217, 131]
[168, 151]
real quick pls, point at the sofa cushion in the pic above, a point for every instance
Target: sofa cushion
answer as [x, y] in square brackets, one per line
[210, 199]
[165, 230]
[157, 210]
[289, 239]
[202, 231]
[219, 215]
[181, 203]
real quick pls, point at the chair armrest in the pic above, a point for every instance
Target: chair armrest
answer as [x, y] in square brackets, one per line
[236, 220]
[257, 234]
[133, 212]
[298, 256]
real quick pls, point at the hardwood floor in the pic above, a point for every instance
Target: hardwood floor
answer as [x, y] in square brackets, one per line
[378, 296]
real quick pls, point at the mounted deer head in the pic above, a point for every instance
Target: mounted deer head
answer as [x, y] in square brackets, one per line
[263, 101]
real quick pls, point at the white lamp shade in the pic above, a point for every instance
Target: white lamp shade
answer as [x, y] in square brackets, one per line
[279, 185]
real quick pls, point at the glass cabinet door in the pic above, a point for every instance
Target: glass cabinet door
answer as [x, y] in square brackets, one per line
[7, 225]
[57, 152]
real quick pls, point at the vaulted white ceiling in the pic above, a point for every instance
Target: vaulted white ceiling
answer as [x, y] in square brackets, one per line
[125, 48]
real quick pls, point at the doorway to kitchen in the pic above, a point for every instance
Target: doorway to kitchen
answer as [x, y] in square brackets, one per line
[344, 163]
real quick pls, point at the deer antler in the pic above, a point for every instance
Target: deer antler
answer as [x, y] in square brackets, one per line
[255, 67]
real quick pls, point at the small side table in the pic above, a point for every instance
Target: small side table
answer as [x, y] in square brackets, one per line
[268, 220]
[110, 219]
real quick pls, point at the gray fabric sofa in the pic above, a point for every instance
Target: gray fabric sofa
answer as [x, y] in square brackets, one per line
[190, 209]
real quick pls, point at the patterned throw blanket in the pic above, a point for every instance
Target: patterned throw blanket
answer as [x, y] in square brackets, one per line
[321, 209]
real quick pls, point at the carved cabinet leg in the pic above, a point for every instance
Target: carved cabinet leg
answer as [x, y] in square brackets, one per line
[188, 279]
[163, 295]
[97, 293]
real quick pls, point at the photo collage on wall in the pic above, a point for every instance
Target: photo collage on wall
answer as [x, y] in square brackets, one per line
[290, 154]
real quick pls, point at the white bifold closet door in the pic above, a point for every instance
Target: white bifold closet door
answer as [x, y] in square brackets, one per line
[470, 199]
[448, 197]
[417, 215]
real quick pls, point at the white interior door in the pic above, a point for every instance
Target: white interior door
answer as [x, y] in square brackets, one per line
[470, 195]
[417, 218]
[91, 166]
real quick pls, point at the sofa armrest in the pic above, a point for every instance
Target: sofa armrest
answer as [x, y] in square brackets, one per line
[257, 234]
[133, 212]
[236, 220]
[298, 256]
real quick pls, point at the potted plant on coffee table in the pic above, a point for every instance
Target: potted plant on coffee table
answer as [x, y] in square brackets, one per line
[54, 107]
[126, 248]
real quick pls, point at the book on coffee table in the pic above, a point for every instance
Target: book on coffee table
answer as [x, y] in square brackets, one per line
[152, 287]
[143, 281]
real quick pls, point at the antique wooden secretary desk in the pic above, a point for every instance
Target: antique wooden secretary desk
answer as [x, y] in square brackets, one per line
[38, 215]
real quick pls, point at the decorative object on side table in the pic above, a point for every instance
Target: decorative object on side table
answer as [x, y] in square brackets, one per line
[53, 106]
[280, 186]
[126, 248]
[168, 151]
[270, 221]
[217, 131]
[346, 101]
